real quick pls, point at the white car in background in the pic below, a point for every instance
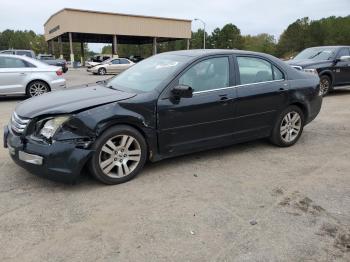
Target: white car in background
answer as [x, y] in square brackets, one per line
[21, 75]
[111, 66]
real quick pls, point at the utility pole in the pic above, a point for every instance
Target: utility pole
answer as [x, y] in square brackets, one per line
[204, 25]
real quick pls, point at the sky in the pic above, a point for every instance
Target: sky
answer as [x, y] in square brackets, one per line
[250, 16]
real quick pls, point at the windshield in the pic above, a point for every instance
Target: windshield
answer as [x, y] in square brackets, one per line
[148, 74]
[317, 53]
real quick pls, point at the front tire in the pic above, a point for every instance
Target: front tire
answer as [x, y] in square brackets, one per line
[325, 85]
[120, 154]
[102, 71]
[288, 127]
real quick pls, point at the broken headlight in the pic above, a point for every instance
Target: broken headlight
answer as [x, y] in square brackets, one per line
[51, 125]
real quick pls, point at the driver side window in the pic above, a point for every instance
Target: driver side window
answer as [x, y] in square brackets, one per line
[343, 52]
[209, 74]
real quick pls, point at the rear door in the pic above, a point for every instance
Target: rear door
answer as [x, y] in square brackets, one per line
[13, 75]
[262, 92]
[342, 68]
[124, 64]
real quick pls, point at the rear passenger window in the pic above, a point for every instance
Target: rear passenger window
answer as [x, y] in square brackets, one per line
[124, 61]
[9, 62]
[256, 70]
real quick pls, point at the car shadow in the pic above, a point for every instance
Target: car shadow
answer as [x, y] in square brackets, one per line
[12, 98]
[86, 179]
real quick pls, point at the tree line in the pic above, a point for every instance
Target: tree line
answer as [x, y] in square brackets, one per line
[11, 39]
[297, 36]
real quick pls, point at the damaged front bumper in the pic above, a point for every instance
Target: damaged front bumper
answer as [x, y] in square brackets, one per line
[60, 161]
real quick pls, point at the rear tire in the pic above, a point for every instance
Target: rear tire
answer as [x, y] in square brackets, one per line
[120, 154]
[325, 85]
[37, 88]
[288, 127]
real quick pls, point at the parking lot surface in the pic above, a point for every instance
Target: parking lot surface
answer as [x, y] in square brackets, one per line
[247, 202]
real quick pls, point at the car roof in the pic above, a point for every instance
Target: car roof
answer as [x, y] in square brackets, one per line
[205, 52]
[26, 58]
[329, 46]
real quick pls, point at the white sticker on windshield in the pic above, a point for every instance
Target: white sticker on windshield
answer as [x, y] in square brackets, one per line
[172, 64]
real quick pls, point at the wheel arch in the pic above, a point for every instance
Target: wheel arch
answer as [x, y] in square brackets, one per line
[149, 139]
[303, 108]
[327, 73]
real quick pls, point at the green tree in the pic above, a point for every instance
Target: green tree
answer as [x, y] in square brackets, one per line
[228, 37]
[197, 39]
[294, 38]
[260, 43]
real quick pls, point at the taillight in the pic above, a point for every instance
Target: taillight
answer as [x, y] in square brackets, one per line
[59, 72]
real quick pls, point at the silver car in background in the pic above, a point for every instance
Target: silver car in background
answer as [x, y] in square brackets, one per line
[111, 66]
[21, 75]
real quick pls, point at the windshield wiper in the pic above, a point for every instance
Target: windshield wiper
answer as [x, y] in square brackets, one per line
[111, 87]
[315, 55]
[101, 82]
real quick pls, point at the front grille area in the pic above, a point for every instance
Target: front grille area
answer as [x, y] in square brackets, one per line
[18, 124]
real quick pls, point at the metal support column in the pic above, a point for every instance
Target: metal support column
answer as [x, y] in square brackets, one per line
[82, 54]
[52, 47]
[115, 46]
[71, 48]
[48, 47]
[154, 50]
[188, 44]
[60, 47]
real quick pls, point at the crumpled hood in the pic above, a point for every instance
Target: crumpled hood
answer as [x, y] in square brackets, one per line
[304, 63]
[68, 101]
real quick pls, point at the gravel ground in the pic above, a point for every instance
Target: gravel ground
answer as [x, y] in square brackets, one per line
[248, 202]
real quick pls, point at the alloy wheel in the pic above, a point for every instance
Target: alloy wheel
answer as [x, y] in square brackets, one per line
[37, 89]
[119, 156]
[324, 86]
[102, 71]
[290, 126]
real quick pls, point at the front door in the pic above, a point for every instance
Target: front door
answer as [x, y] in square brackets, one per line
[205, 119]
[342, 68]
[261, 95]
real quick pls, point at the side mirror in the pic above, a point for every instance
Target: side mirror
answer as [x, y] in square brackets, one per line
[344, 58]
[182, 91]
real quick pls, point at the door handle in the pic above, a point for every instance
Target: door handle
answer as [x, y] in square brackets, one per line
[282, 89]
[225, 100]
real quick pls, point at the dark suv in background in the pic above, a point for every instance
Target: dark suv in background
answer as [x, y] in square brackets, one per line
[331, 63]
[51, 60]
